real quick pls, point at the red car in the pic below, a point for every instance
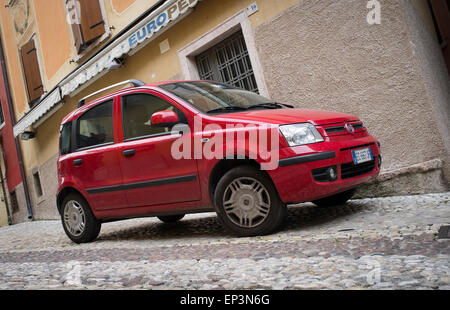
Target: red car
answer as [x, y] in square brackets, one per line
[174, 148]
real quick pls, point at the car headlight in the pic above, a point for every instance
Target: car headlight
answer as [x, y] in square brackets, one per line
[300, 134]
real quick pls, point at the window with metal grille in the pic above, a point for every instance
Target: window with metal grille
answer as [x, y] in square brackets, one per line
[228, 62]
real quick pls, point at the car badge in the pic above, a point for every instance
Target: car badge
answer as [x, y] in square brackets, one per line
[349, 128]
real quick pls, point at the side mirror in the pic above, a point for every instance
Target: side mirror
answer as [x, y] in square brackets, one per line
[164, 119]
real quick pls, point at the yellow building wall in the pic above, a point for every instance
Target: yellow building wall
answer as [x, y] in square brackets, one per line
[122, 12]
[13, 62]
[148, 65]
[55, 43]
[3, 215]
[120, 6]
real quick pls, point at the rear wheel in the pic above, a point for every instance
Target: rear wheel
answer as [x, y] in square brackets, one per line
[171, 218]
[335, 200]
[78, 221]
[247, 202]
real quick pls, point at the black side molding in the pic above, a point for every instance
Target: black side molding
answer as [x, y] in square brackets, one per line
[159, 182]
[306, 158]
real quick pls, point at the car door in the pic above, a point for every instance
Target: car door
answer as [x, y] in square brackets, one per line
[151, 176]
[96, 162]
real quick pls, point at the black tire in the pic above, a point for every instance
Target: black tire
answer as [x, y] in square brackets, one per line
[91, 227]
[171, 218]
[335, 200]
[268, 221]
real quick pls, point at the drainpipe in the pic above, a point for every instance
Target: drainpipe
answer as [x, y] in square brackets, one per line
[13, 122]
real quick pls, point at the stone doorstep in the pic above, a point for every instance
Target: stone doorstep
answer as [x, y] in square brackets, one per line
[423, 167]
[423, 178]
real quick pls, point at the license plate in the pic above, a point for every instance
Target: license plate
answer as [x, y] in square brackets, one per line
[362, 156]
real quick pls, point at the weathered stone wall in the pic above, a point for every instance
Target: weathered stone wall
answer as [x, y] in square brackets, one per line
[44, 207]
[417, 179]
[324, 55]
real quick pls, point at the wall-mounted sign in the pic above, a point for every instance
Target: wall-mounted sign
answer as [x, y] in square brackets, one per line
[252, 9]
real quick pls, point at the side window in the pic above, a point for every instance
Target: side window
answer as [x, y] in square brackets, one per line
[137, 111]
[95, 127]
[65, 139]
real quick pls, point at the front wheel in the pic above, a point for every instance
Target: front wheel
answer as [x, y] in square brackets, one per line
[247, 202]
[78, 221]
[335, 200]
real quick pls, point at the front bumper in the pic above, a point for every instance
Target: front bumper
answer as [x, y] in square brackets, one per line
[294, 178]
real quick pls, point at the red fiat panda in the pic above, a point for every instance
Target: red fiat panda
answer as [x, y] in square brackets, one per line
[146, 151]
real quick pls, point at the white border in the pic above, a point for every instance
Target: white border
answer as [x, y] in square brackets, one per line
[123, 12]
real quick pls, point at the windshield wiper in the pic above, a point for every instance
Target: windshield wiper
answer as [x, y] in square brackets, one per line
[271, 105]
[227, 109]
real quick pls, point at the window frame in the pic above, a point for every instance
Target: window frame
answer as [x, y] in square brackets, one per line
[240, 20]
[76, 128]
[215, 63]
[71, 144]
[32, 103]
[90, 47]
[38, 188]
[181, 116]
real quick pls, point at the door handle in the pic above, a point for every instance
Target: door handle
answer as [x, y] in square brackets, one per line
[77, 162]
[129, 152]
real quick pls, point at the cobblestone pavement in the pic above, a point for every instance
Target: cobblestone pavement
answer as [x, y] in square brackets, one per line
[384, 243]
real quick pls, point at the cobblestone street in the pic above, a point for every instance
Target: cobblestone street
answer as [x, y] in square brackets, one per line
[384, 243]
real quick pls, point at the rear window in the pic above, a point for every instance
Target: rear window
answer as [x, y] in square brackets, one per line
[65, 139]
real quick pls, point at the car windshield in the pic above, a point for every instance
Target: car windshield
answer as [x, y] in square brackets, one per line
[216, 98]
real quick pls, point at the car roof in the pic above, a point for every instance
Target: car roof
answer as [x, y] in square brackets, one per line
[153, 86]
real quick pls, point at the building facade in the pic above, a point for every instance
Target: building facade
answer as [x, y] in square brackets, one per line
[386, 61]
[10, 171]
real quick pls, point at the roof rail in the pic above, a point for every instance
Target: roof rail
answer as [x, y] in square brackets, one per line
[136, 83]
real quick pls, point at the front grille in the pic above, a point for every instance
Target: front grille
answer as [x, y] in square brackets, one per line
[335, 129]
[358, 126]
[350, 170]
[341, 128]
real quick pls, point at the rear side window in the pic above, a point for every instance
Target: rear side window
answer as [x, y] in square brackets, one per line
[65, 139]
[95, 127]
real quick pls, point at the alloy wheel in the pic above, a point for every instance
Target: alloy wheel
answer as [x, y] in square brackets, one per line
[74, 218]
[246, 202]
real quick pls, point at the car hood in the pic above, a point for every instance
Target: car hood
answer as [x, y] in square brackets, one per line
[290, 116]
